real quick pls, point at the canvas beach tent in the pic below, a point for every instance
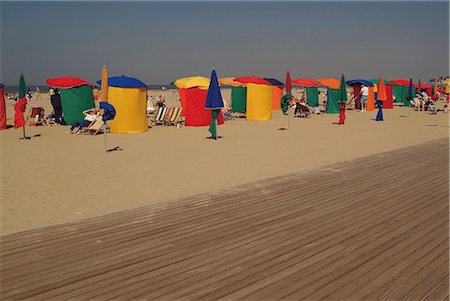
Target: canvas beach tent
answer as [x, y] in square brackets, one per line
[356, 84]
[238, 94]
[193, 91]
[128, 95]
[259, 98]
[312, 92]
[76, 97]
[389, 102]
[332, 86]
[400, 88]
[277, 92]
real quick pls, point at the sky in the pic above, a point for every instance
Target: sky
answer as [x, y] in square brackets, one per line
[159, 42]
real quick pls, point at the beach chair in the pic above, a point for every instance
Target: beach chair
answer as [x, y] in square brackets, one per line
[175, 117]
[94, 128]
[32, 115]
[167, 116]
[159, 116]
[302, 111]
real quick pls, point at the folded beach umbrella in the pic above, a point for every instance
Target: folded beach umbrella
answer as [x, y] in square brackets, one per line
[288, 85]
[20, 106]
[305, 82]
[252, 80]
[229, 81]
[2, 108]
[103, 104]
[192, 82]
[214, 102]
[382, 96]
[342, 96]
[435, 88]
[104, 84]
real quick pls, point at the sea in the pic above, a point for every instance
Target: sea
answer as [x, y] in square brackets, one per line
[44, 89]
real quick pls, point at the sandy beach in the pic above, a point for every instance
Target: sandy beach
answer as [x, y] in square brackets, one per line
[55, 177]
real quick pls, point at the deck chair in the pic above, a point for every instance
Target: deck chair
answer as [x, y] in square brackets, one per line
[175, 118]
[159, 116]
[302, 111]
[94, 128]
[168, 115]
[32, 115]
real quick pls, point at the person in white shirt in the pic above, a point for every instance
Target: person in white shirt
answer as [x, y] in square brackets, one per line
[89, 117]
[364, 93]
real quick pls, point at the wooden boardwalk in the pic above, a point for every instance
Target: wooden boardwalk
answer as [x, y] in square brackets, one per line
[376, 228]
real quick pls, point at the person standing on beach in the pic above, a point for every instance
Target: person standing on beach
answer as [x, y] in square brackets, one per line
[364, 95]
[38, 93]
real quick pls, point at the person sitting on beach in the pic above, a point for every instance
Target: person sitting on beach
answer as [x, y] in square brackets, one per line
[227, 113]
[89, 117]
[445, 110]
[161, 102]
[39, 119]
[51, 118]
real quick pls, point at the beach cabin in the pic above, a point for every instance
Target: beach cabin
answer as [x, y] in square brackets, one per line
[332, 86]
[388, 103]
[76, 97]
[238, 94]
[128, 95]
[277, 93]
[356, 85]
[193, 91]
[239, 99]
[312, 92]
[259, 102]
[2, 108]
[401, 88]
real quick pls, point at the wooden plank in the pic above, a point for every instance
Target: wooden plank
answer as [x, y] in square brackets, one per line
[303, 235]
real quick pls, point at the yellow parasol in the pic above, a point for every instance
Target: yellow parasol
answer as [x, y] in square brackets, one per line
[229, 81]
[104, 95]
[191, 82]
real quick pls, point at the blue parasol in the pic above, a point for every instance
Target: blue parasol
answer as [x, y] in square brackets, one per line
[214, 102]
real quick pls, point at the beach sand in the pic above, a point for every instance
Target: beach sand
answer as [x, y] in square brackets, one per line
[55, 177]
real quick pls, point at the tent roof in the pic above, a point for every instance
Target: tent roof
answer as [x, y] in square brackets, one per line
[359, 81]
[273, 81]
[305, 82]
[229, 81]
[252, 80]
[124, 82]
[331, 83]
[426, 86]
[377, 81]
[67, 82]
[200, 82]
[400, 82]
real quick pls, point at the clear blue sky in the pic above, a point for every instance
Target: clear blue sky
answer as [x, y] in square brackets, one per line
[158, 42]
